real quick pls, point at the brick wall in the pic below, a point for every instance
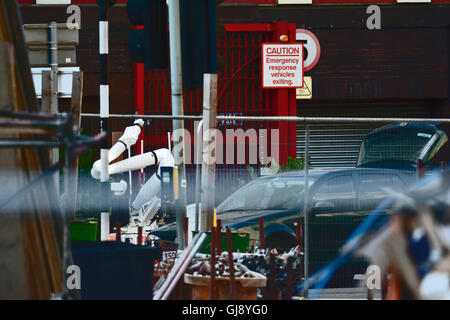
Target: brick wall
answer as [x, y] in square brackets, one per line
[407, 59]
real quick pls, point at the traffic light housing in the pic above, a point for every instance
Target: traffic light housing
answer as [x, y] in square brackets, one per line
[198, 41]
[149, 45]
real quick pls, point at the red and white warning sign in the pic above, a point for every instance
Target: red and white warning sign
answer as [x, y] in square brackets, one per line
[282, 65]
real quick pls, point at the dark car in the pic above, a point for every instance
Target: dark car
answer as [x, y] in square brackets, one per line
[339, 201]
[400, 145]
[279, 199]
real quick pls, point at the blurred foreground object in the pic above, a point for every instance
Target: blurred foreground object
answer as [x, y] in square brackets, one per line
[34, 246]
[413, 249]
[30, 245]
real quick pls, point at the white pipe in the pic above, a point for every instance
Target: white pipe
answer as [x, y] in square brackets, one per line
[153, 185]
[138, 162]
[128, 139]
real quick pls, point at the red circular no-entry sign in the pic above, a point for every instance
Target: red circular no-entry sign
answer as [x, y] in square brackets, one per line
[311, 48]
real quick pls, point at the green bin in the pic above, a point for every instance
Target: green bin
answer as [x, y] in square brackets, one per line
[85, 231]
[239, 240]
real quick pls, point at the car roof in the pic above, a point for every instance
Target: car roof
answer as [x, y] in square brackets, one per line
[428, 127]
[316, 173]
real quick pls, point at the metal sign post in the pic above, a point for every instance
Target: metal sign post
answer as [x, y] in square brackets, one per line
[104, 116]
[306, 210]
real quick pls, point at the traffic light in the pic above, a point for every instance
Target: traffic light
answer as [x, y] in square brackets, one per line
[149, 45]
[198, 41]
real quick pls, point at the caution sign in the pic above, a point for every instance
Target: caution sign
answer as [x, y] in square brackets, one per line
[282, 65]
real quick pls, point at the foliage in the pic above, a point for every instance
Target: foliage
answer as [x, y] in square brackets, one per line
[294, 164]
[291, 164]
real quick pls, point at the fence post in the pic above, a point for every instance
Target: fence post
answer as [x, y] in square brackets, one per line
[198, 166]
[262, 242]
[420, 169]
[213, 265]
[75, 109]
[139, 236]
[306, 210]
[209, 168]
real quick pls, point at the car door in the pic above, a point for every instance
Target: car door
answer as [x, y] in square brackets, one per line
[373, 188]
[336, 194]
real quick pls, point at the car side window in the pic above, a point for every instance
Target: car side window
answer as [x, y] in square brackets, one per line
[374, 188]
[335, 195]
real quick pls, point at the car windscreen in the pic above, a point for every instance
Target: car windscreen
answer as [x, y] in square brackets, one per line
[399, 145]
[277, 193]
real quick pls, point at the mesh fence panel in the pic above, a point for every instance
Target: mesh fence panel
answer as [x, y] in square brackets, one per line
[341, 197]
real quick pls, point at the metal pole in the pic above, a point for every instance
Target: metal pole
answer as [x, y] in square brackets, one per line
[209, 168]
[67, 207]
[53, 43]
[177, 109]
[104, 115]
[179, 267]
[54, 63]
[306, 208]
[274, 118]
[198, 172]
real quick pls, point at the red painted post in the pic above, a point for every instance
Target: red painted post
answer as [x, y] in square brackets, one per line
[186, 228]
[262, 240]
[299, 233]
[219, 237]
[420, 169]
[280, 98]
[231, 264]
[213, 265]
[271, 290]
[139, 99]
[118, 232]
[284, 102]
[139, 236]
[292, 97]
[289, 280]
